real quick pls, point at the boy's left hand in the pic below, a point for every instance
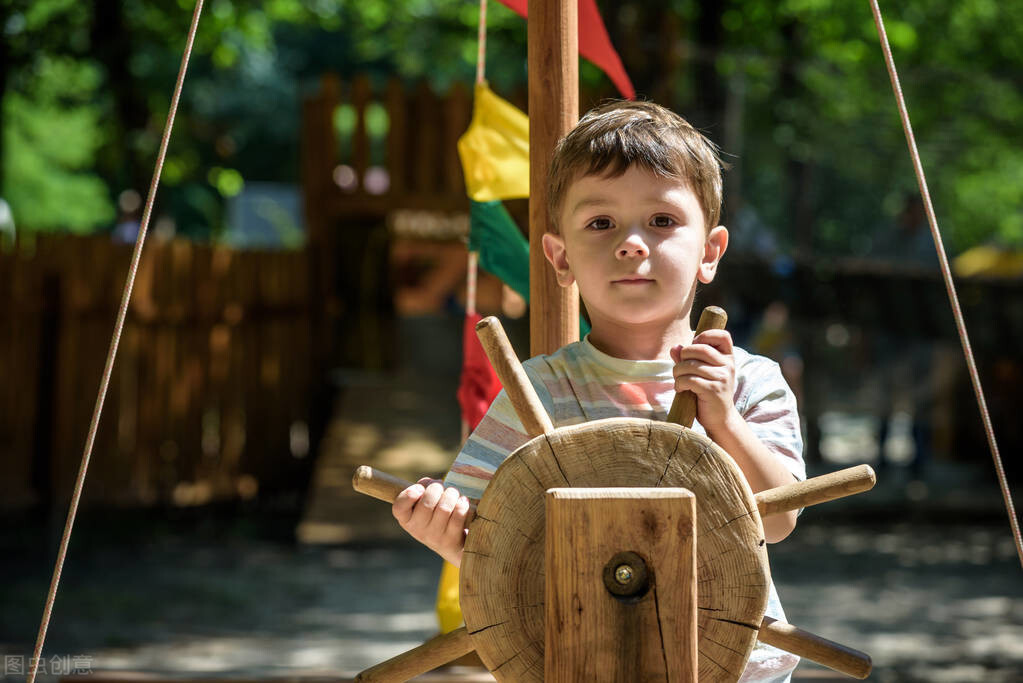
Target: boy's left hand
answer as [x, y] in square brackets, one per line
[707, 368]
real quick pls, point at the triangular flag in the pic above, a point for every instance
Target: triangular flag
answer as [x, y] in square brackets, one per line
[479, 384]
[503, 250]
[594, 43]
[495, 149]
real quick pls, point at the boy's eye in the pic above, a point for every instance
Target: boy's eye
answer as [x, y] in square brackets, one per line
[662, 221]
[600, 224]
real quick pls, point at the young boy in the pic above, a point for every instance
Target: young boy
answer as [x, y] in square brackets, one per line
[635, 196]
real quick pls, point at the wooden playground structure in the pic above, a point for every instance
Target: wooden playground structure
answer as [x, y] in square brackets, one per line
[618, 549]
[581, 525]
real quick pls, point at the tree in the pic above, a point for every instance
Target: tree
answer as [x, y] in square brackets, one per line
[794, 90]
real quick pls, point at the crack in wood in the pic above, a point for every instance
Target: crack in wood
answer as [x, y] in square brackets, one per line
[485, 628]
[704, 450]
[704, 655]
[737, 623]
[649, 436]
[671, 456]
[522, 533]
[557, 462]
[731, 521]
[725, 647]
[525, 466]
[518, 653]
[660, 632]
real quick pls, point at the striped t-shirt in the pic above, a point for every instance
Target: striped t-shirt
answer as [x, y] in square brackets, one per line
[578, 384]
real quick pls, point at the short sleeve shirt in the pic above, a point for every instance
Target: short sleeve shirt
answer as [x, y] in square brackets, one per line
[578, 383]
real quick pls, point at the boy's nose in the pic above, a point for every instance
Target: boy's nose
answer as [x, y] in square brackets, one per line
[632, 246]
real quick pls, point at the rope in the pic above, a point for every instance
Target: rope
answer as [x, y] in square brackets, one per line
[481, 55]
[112, 353]
[472, 264]
[481, 63]
[481, 68]
[947, 276]
[470, 284]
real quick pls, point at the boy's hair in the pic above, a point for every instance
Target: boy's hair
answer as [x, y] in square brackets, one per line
[614, 136]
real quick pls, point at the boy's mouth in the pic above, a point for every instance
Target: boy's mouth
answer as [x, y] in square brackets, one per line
[635, 280]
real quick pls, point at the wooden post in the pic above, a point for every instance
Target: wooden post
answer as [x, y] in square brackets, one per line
[553, 54]
[620, 585]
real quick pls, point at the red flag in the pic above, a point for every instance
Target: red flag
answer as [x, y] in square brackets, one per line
[479, 384]
[594, 43]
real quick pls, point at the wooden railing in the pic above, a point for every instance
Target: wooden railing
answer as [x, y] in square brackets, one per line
[409, 162]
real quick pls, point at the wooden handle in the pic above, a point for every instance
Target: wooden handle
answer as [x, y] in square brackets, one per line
[439, 650]
[379, 485]
[821, 650]
[523, 397]
[683, 407]
[801, 494]
[384, 486]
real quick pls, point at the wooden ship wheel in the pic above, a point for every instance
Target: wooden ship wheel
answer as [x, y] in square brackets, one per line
[618, 549]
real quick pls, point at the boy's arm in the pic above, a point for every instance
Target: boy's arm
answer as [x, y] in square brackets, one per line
[707, 368]
[435, 516]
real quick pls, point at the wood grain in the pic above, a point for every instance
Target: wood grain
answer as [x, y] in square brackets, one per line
[592, 634]
[816, 490]
[503, 567]
[377, 484]
[553, 57]
[439, 650]
[821, 650]
[683, 406]
[383, 486]
[509, 370]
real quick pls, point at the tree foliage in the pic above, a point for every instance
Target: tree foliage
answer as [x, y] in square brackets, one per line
[820, 162]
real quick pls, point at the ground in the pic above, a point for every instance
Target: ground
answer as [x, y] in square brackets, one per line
[932, 596]
[921, 574]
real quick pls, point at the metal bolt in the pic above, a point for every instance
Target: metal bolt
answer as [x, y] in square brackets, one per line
[623, 574]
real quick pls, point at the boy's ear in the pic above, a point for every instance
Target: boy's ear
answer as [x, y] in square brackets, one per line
[713, 249]
[554, 250]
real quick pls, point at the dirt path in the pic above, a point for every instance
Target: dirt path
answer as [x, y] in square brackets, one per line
[929, 602]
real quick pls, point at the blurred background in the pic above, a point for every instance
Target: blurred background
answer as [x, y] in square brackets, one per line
[299, 308]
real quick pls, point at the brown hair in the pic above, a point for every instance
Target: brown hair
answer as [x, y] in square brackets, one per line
[616, 135]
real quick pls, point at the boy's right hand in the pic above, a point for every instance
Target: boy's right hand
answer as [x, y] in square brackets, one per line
[435, 516]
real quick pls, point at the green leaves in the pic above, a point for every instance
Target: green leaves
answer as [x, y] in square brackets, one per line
[805, 83]
[50, 141]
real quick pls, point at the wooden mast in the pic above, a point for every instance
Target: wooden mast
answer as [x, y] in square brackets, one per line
[553, 111]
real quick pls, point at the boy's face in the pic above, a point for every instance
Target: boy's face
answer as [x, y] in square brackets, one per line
[636, 245]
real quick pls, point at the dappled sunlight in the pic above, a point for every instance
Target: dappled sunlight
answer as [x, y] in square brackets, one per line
[923, 600]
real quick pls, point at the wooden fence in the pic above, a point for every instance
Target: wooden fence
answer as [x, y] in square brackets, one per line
[208, 399]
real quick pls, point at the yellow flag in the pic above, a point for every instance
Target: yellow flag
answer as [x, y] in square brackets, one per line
[495, 149]
[988, 260]
[449, 612]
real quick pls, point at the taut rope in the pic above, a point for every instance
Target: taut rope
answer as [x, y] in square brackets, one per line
[946, 274]
[112, 353]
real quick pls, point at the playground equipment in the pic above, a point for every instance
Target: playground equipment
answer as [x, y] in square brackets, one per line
[553, 110]
[663, 577]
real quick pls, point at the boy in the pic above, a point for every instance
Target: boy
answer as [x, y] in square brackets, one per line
[635, 196]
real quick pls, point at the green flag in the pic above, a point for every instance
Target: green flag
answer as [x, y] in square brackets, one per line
[503, 251]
